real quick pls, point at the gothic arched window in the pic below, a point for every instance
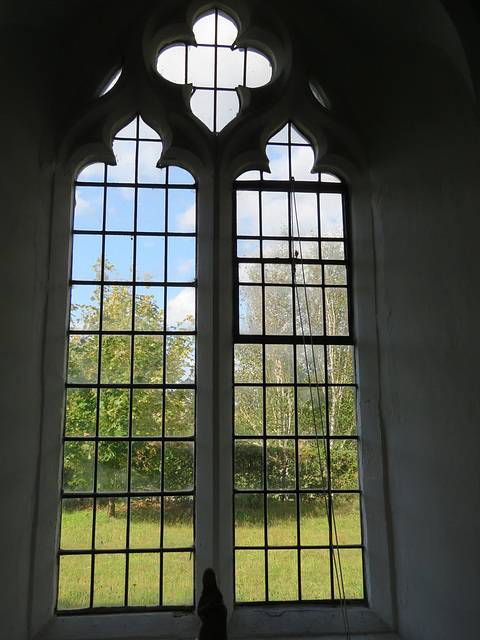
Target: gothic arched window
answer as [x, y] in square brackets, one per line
[210, 411]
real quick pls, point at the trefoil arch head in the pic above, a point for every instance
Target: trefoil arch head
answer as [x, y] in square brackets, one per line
[215, 82]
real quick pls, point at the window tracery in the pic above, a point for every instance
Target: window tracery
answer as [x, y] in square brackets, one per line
[215, 67]
[225, 156]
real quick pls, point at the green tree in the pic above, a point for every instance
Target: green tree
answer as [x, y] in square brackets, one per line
[313, 368]
[116, 360]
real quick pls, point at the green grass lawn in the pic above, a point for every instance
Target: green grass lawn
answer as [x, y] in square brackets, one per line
[252, 572]
[281, 572]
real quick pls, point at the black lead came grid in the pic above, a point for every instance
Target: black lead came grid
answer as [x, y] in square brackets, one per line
[129, 450]
[295, 441]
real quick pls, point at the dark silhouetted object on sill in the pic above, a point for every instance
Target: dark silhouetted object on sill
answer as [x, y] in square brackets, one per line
[211, 609]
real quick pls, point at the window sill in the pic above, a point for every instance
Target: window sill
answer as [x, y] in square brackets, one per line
[325, 623]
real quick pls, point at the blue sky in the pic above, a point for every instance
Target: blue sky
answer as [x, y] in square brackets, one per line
[152, 205]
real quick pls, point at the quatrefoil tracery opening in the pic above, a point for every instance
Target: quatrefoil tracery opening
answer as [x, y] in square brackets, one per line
[215, 67]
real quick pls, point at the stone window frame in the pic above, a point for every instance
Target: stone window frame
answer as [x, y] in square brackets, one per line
[237, 148]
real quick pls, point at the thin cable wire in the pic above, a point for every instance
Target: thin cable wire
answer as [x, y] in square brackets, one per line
[328, 504]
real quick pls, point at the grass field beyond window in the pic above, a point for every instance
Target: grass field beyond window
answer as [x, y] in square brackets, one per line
[144, 568]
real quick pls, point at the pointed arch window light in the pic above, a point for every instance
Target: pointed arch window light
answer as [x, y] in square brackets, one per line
[215, 67]
[294, 388]
[131, 369]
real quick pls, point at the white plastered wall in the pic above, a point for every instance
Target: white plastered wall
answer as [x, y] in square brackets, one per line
[416, 115]
[425, 164]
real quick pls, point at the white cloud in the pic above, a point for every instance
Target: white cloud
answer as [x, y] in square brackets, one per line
[127, 193]
[124, 170]
[186, 221]
[181, 306]
[230, 67]
[185, 266]
[228, 105]
[171, 63]
[148, 155]
[201, 104]
[331, 214]
[201, 66]
[278, 163]
[247, 213]
[204, 29]
[275, 214]
[259, 70]
[302, 163]
[92, 172]
[305, 210]
[82, 206]
[201, 70]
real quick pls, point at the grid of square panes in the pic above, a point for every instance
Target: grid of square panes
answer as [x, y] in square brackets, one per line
[127, 528]
[215, 68]
[295, 440]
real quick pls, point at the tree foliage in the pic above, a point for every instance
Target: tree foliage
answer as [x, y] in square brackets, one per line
[150, 359]
[308, 408]
[323, 402]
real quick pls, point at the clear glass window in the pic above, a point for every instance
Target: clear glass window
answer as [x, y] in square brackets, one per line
[215, 67]
[296, 492]
[128, 495]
